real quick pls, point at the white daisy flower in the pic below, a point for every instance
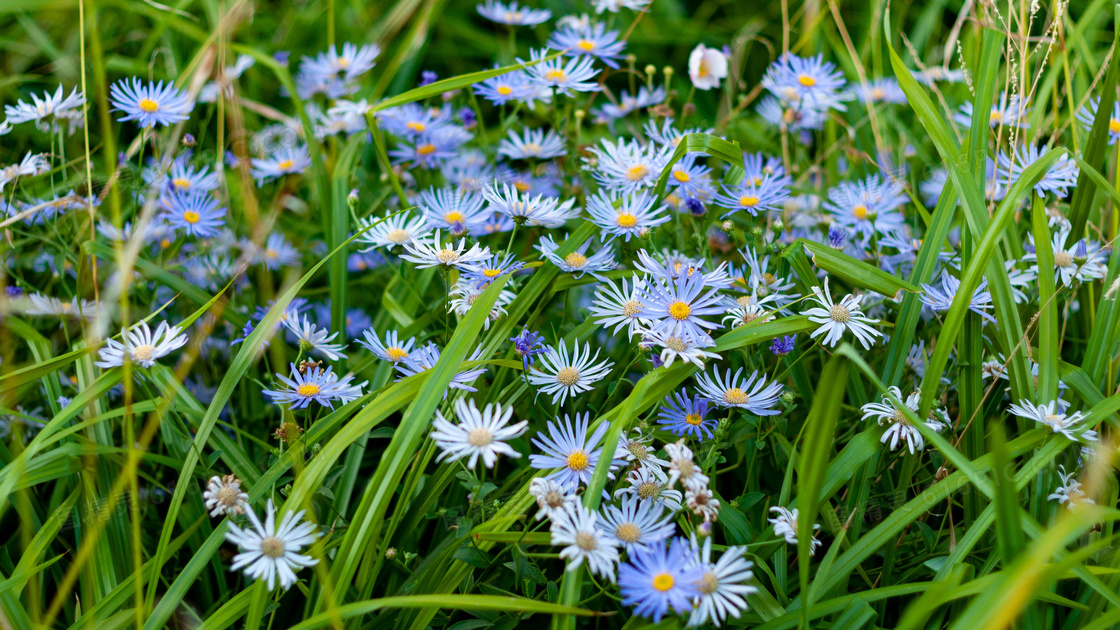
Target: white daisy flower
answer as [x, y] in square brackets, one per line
[390, 349]
[541, 211]
[634, 524]
[478, 434]
[432, 253]
[684, 344]
[752, 395]
[837, 317]
[578, 262]
[74, 309]
[620, 307]
[223, 495]
[552, 498]
[394, 231]
[311, 338]
[1069, 493]
[141, 346]
[901, 428]
[703, 503]
[723, 587]
[270, 553]
[562, 375]
[785, 524]
[464, 294]
[649, 485]
[1060, 422]
[683, 468]
[30, 165]
[583, 540]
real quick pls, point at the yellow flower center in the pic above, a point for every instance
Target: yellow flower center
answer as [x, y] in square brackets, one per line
[680, 311]
[567, 376]
[505, 90]
[522, 185]
[480, 437]
[308, 389]
[806, 80]
[398, 236]
[637, 172]
[453, 217]
[1114, 125]
[285, 165]
[663, 582]
[628, 532]
[576, 260]
[694, 419]
[491, 273]
[142, 353]
[859, 212]
[578, 460]
[448, 256]
[191, 217]
[627, 220]
[395, 354]
[648, 490]
[557, 75]
[418, 127]
[182, 183]
[426, 149]
[748, 201]
[149, 105]
[702, 71]
[736, 396]
[586, 46]
[681, 176]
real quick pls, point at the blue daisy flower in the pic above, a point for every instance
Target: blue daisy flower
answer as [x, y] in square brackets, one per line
[285, 161]
[1086, 116]
[811, 80]
[757, 166]
[569, 450]
[883, 90]
[195, 212]
[533, 144]
[512, 14]
[684, 416]
[594, 41]
[679, 304]
[1008, 111]
[575, 74]
[645, 97]
[1061, 176]
[659, 579]
[528, 344]
[486, 271]
[321, 386]
[452, 209]
[430, 149]
[151, 104]
[625, 216]
[512, 86]
[691, 181]
[867, 207]
[749, 197]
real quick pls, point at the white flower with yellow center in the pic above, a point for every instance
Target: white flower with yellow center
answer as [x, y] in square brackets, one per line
[836, 318]
[785, 525]
[620, 308]
[270, 552]
[634, 524]
[223, 495]
[722, 586]
[141, 346]
[570, 452]
[478, 434]
[552, 498]
[433, 253]
[394, 230]
[562, 374]
[1052, 414]
[752, 394]
[577, 530]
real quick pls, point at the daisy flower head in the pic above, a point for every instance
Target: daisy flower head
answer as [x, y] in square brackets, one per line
[703, 503]
[836, 318]
[798, 117]
[223, 495]
[311, 338]
[941, 299]
[528, 344]
[270, 552]
[1007, 111]
[659, 579]
[689, 180]
[592, 40]
[479, 434]
[31, 165]
[881, 90]
[182, 176]
[669, 137]
[413, 120]
[901, 427]
[277, 252]
[808, 80]
[563, 375]
[785, 525]
[679, 304]
[196, 213]
[684, 344]
[752, 394]
[706, 67]
[575, 74]
[1086, 115]
[636, 449]
[533, 144]
[394, 230]
[150, 105]
[1051, 414]
[577, 530]
[722, 585]
[426, 253]
[683, 467]
[683, 416]
[453, 209]
[626, 166]
[351, 63]
[53, 307]
[614, 5]
[486, 271]
[625, 216]
[391, 349]
[867, 207]
[578, 262]
[512, 14]
[650, 485]
[1081, 261]
[523, 208]
[285, 161]
[426, 357]
[1069, 493]
[768, 195]
[512, 86]
[48, 112]
[635, 525]
[141, 346]
[571, 451]
[627, 103]
[552, 498]
[313, 384]
[1061, 176]
[464, 294]
[430, 149]
[620, 308]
